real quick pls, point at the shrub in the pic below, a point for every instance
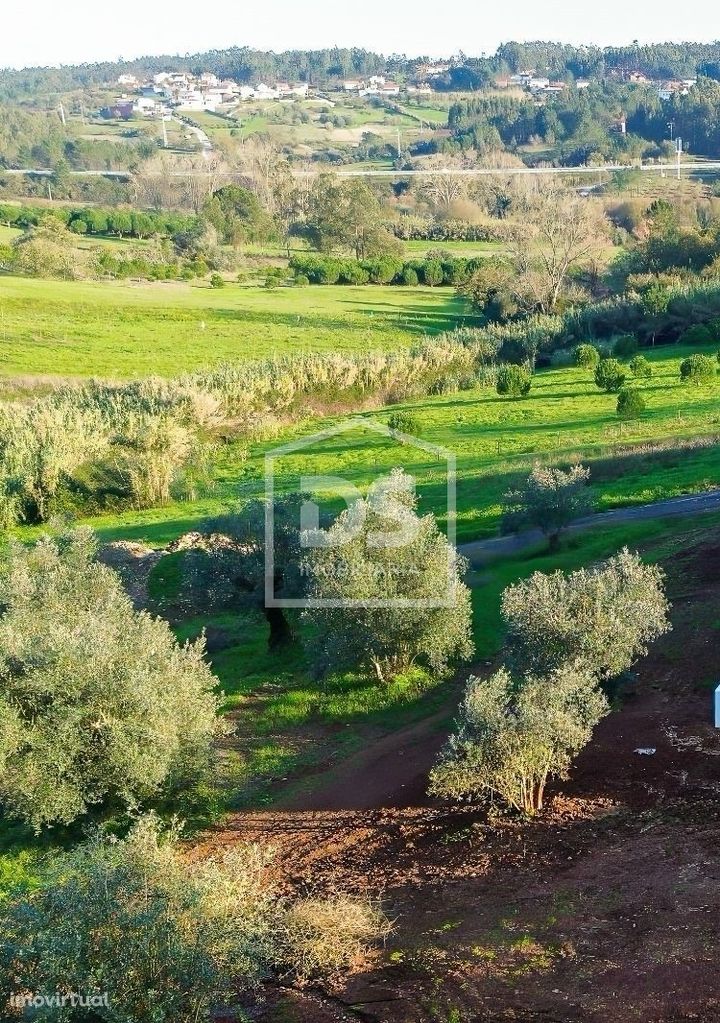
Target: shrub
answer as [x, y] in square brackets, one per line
[301, 281]
[599, 619]
[699, 334]
[698, 369]
[329, 937]
[432, 273]
[641, 367]
[514, 381]
[409, 276]
[587, 356]
[99, 702]
[404, 422]
[630, 403]
[382, 270]
[517, 732]
[216, 281]
[609, 375]
[328, 271]
[167, 938]
[625, 346]
[354, 273]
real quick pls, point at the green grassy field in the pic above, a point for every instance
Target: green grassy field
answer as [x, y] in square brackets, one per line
[467, 249]
[123, 329]
[494, 441]
[8, 234]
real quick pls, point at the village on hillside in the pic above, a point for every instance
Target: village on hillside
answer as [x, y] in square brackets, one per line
[166, 91]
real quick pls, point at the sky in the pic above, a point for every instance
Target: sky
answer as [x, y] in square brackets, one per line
[80, 31]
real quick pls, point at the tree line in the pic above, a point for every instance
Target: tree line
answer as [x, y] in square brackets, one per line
[660, 60]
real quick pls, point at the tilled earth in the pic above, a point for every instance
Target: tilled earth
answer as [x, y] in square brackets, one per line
[604, 909]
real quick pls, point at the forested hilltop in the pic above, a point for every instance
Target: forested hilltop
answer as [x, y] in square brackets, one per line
[661, 60]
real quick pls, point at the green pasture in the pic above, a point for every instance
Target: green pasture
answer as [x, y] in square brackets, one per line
[127, 329]
[494, 442]
[466, 249]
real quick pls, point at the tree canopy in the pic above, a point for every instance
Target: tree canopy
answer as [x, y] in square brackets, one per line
[99, 702]
[599, 618]
[385, 588]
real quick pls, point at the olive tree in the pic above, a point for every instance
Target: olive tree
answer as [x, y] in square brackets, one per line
[514, 381]
[98, 701]
[550, 499]
[609, 375]
[698, 369]
[515, 732]
[165, 939]
[385, 588]
[227, 569]
[599, 619]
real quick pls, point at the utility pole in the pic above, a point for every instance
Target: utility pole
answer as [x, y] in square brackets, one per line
[62, 114]
[398, 144]
[671, 126]
[679, 155]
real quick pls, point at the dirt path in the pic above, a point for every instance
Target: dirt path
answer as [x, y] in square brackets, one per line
[390, 773]
[604, 907]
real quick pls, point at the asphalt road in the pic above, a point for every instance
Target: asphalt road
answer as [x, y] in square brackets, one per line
[478, 552]
[669, 168]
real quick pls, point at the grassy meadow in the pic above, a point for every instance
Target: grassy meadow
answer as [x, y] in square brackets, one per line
[128, 329]
[494, 441]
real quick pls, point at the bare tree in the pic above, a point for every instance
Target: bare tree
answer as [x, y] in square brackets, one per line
[262, 161]
[155, 186]
[564, 230]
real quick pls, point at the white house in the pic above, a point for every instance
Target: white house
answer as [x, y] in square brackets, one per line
[538, 84]
[675, 88]
[145, 107]
[191, 99]
[128, 81]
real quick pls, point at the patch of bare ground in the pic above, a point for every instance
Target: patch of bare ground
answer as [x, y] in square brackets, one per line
[604, 909]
